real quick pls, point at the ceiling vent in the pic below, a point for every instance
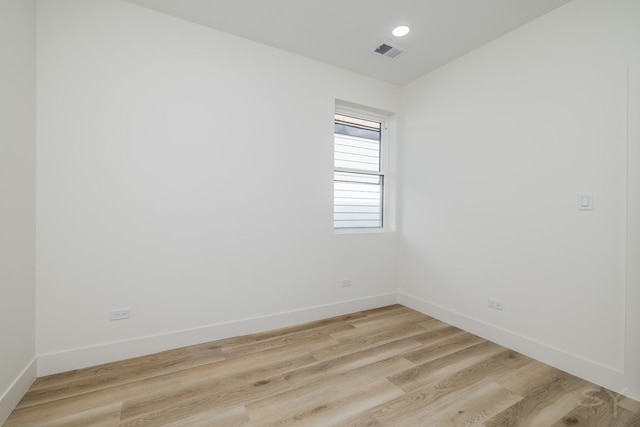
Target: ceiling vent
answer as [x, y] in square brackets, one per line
[388, 50]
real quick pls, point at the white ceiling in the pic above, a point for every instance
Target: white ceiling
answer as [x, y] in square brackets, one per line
[344, 33]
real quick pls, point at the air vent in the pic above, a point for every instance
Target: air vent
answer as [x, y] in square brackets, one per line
[388, 50]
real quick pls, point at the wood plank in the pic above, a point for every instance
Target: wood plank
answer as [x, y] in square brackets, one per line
[118, 373]
[235, 416]
[525, 380]
[438, 345]
[438, 369]
[101, 416]
[598, 406]
[471, 405]
[59, 408]
[330, 367]
[388, 321]
[543, 405]
[442, 383]
[364, 419]
[360, 340]
[157, 412]
[341, 405]
[311, 339]
[237, 381]
[326, 395]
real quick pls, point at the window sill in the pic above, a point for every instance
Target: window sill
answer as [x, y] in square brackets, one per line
[372, 230]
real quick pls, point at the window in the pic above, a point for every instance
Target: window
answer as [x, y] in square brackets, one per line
[358, 176]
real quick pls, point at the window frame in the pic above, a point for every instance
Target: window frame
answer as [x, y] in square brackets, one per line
[387, 203]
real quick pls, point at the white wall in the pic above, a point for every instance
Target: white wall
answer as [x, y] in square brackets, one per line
[186, 174]
[496, 146]
[17, 201]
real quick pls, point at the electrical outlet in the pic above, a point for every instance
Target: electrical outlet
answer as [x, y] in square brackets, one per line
[120, 314]
[494, 303]
[345, 283]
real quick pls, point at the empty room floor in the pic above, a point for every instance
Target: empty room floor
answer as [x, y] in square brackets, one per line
[390, 366]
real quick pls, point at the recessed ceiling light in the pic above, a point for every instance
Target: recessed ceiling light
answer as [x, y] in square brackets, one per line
[400, 31]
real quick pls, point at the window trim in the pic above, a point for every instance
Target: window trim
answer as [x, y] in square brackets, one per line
[386, 120]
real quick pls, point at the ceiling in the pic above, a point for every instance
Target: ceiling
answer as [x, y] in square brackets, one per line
[345, 33]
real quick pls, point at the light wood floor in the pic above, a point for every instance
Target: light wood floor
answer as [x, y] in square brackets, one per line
[385, 367]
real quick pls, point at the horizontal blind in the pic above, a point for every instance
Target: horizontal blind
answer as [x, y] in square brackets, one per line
[358, 181]
[357, 200]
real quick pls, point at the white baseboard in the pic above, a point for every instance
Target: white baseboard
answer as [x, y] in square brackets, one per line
[16, 390]
[576, 365]
[54, 363]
